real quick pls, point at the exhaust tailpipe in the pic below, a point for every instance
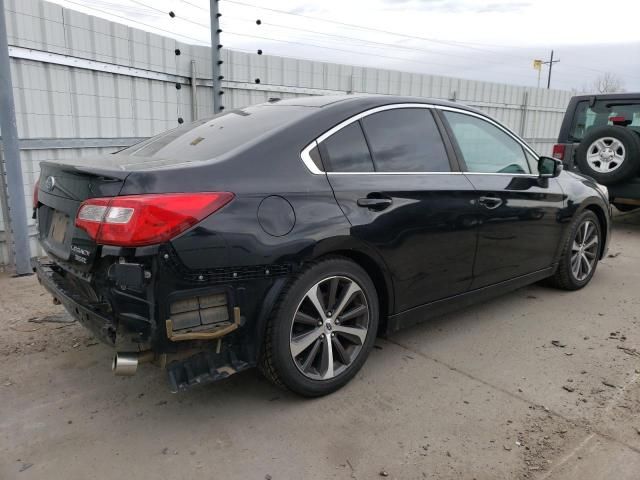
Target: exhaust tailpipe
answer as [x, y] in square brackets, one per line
[125, 364]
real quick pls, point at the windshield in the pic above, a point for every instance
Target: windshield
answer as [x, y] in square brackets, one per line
[207, 139]
[600, 115]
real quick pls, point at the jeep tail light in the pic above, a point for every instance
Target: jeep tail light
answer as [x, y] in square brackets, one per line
[558, 151]
[138, 220]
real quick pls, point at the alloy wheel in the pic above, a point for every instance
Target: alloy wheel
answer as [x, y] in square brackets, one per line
[606, 154]
[584, 250]
[329, 328]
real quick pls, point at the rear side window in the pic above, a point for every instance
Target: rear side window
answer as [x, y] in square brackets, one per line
[405, 140]
[347, 151]
[486, 148]
[600, 114]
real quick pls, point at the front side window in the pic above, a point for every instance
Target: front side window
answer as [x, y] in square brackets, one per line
[486, 148]
[405, 140]
[347, 151]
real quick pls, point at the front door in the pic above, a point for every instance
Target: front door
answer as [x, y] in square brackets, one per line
[392, 177]
[518, 213]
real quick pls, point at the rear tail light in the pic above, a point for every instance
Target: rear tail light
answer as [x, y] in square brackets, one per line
[558, 151]
[138, 220]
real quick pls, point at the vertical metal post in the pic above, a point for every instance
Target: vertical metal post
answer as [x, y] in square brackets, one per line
[194, 92]
[550, 67]
[4, 205]
[523, 114]
[9, 130]
[215, 55]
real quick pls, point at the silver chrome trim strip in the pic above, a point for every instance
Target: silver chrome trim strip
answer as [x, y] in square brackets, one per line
[316, 171]
[395, 173]
[306, 158]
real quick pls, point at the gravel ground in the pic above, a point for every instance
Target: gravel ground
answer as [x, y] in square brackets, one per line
[538, 384]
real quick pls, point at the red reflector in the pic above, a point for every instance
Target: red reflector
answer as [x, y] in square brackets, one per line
[618, 119]
[558, 151]
[137, 220]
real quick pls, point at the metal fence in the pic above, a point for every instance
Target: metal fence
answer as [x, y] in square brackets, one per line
[84, 86]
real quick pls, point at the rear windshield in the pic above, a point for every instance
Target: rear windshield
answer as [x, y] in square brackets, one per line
[600, 114]
[207, 139]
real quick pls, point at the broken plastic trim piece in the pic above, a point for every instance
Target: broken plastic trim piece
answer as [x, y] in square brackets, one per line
[220, 332]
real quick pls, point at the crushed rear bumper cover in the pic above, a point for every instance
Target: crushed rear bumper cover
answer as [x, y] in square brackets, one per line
[199, 368]
[88, 315]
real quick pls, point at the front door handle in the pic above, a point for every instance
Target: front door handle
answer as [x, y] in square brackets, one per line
[490, 202]
[375, 203]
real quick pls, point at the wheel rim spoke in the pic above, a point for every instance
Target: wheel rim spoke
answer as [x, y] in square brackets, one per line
[333, 290]
[305, 319]
[326, 363]
[329, 328]
[352, 333]
[584, 250]
[346, 297]
[314, 296]
[300, 343]
[313, 353]
[353, 313]
[340, 352]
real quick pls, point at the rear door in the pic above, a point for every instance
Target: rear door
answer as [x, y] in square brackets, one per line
[519, 228]
[392, 176]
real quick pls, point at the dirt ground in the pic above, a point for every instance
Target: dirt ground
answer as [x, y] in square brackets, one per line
[538, 384]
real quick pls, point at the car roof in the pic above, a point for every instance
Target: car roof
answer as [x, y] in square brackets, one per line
[608, 96]
[321, 101]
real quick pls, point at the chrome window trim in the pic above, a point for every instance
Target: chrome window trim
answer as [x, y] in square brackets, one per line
[308, 161]
[311, 166]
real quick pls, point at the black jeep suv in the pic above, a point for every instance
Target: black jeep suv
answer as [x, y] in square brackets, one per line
[600, 137]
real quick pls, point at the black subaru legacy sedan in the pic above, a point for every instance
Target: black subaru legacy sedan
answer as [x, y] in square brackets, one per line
[287, 235]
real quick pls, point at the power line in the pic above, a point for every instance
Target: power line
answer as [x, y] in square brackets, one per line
[351, 51]
[135, 21]
[371, 42]
[467, 45]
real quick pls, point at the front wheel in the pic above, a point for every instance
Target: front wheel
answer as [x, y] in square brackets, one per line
[322, 329]
[580, 254]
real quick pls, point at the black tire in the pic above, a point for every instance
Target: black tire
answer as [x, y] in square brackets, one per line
[277, 362]
[565, 277]
[623, 170]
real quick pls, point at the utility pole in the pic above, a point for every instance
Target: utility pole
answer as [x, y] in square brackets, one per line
[13, 166]
[216, 78]
[550, 63]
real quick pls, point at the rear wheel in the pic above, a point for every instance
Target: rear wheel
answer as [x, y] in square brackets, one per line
[322, 329]
[580, 254]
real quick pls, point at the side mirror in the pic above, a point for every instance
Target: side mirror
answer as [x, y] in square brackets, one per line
[549, 167]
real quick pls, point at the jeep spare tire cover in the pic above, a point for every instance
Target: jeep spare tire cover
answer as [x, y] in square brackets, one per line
[609, 154]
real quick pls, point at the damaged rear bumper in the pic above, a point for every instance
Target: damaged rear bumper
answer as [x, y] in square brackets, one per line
[90, 316]
[212, 349]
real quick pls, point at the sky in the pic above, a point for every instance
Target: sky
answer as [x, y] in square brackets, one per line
[493, 40]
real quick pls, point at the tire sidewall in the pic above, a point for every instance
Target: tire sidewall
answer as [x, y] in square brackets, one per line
[283, 319]
[631, 163]
[587, 215]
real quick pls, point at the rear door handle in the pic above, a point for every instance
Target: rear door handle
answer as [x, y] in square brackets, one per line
[375, 203]
[490, 202]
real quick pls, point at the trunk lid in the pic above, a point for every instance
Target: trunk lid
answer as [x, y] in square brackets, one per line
[61, 190]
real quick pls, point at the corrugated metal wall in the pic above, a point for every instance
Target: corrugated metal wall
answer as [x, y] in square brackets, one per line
[84, 85]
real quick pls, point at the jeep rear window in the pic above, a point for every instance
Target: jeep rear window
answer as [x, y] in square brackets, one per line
[600, 115]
